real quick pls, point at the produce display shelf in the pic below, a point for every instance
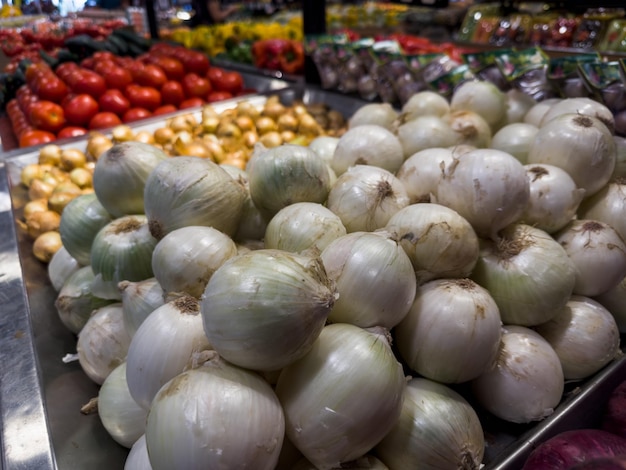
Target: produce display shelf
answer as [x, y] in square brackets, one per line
[41, 395]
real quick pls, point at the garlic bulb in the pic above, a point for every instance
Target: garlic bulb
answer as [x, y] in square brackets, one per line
[61, 267]
[185, 191]
[121, 416]
[327, 415]
[120, 175]
[527, 382]
[374, 279]
[438, 241]
[365, 197]
[103, 342]
[215, 416]
[81, 221]
[422, 171]
[163, 346]
[584, 335]
[437, 428]
[264, 309]
[527, 272]
[185, 259]
[140, 299]
[301, 226]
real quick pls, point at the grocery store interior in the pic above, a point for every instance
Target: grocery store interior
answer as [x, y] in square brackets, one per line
[312, 235]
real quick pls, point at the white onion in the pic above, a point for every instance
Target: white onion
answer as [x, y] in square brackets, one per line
[138, 458]
[518, 104]
[527, 382]
[607, 205]
[374, 279]
[185, 191]
[140, 299]
[215, 416]
[367, 462]
[483, 98]
[163, 346]
[61, 267]
[366, 197]
[470, 128]
[282, 175]
[614, 300]
[488, 187]
[620, 160]
[515, 139]
[121, 416]
[584, 335]
[103, 342]
[425, 132]
[580, 106]
[598, 254]
[452, 331]
[120, 175]
[328, 417]
[437, 428]
[380, 114]
[580, 145]
[438, 241]
[527, 272]
[536, 113]
[264, 309]
[422, 171]
[554, 197]
[185, 259]
[425, 103]
[301, 226]
[324, 146]
[368, 144]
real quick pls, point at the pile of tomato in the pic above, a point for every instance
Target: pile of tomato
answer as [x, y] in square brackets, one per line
[106, 90]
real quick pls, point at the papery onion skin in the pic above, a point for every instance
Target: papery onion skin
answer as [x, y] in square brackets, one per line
[528, 273]
[367, 145]
[584, 335]
[380, 114]
[264, 309]
[301, 226]
[535, 114]
[614, 300]
[444, 309]
[140, 299]
[186, 191]
[437, 428]
[367, 462]
[527, 382]
[515, 139]
[324, 146]
[470, 128]
[366, 197]
[487, 187]
[483, 98]
[374, 279]
[425, 132]
[554, 198]
[61, 267]
[120, 174]
[185, 259]
[81, 221]
[438, 241]
[421, 172]
[620, 162]
[215, 416]
[121, 416]
[284, 175]
[138, 458]
[425, 103]
[327, 416]
[103, 342]
[581, 145]
[598, 254]
[580, 106]
[518, 104]
[607, 205]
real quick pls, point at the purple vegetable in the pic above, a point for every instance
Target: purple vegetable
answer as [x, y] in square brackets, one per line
[569, 448]
[615, 414]
[603, 463]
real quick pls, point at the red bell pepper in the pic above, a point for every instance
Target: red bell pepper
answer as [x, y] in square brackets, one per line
[279, 54]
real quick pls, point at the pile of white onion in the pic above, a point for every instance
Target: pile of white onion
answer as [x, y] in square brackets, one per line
[254, 310]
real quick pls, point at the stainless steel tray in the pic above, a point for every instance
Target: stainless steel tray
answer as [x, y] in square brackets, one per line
[41, 426]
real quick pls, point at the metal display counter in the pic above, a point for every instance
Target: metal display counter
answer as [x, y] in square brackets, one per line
[41, 425]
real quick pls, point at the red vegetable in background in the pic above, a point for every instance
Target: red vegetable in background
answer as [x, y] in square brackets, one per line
[569, 448]
[615, 415]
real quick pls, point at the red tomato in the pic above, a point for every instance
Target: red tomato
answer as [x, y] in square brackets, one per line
[124, 62]
[218, 96]
[47, 116]
[173, 68]
[104, 120]
[229, 81]
[101, 56]
[114, 101]
[88, 63]
[117, 77]
[64, 69]
[102, 66]
[194, 61]
[135, 68]
[195, 86]
[80, 109]
[163, 48]
[166, 109]
[172, 93]
[51, 88]
[191, 103]
[36, 137]
[214, 74]
[152, 76]
[71, 131]
[135, 114]
[88, 82]
[143, 97]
